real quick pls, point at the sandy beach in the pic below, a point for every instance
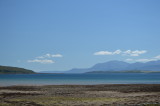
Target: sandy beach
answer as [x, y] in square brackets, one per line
[81, 95]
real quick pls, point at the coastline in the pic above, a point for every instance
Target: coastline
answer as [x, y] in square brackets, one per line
[84, 95]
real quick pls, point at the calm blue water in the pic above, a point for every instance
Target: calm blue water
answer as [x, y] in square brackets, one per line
[58, 79]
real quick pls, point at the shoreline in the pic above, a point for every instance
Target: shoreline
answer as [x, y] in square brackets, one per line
[82, 84]
[40, 85]
[84, 95]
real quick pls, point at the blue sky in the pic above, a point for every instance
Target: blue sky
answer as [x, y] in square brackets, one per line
[47, 35]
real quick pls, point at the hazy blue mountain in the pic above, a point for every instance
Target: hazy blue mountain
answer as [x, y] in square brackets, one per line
[111, 66]
[153, 63]
[149, 66]
[116, 66]
[135, 66]
[107, 66]
[120, 66]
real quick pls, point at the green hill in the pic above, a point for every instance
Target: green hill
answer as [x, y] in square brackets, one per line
[14, 70]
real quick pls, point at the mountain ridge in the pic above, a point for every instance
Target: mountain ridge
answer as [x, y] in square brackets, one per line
[116, 65]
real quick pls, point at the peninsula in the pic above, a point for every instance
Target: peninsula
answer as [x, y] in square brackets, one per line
[14, 70]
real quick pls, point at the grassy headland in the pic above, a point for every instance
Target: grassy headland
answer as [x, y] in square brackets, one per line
[14, 70]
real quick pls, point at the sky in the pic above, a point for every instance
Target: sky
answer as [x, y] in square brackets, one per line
[58, 35]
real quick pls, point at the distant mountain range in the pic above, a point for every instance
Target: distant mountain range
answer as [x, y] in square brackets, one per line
[114, 66]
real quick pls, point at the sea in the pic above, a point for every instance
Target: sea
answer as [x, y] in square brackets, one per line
[76, 79]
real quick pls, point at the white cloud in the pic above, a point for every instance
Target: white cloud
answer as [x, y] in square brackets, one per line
[40, 57]
[127, 52]
[117, 52]
[134, 53]
[107, 52]
[57, 55]
[141, 60]
[45, 61]
[157, 57]
[103, 53]
[50, 56]
[129, 59]
[139, 51]
[145, 60]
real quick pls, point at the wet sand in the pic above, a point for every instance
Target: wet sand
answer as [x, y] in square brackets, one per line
[81, 95]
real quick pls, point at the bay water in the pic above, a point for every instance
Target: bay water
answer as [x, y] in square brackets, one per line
[83, 79]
